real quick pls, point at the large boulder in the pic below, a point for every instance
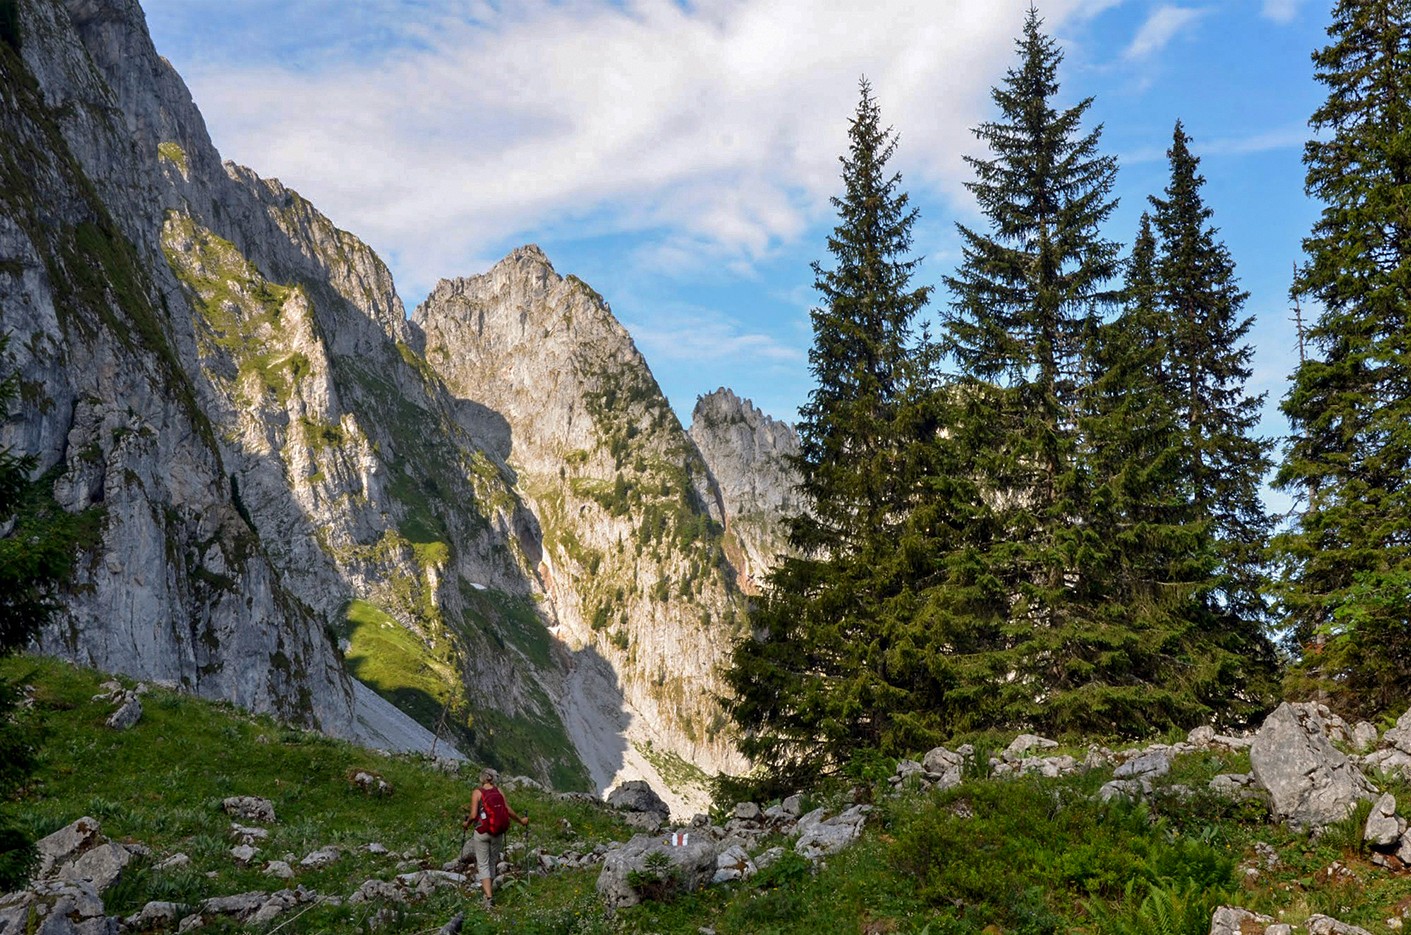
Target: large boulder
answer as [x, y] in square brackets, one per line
[64, 845]
[820, 836]
[1310, 783]
[637, 796]
[689, 866]
[1384, 827]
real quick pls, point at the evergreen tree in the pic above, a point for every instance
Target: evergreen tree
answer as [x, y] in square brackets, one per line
[1346, 565]
[838, 663]
[1207, 366]
[1028, 301]
[1176, 467]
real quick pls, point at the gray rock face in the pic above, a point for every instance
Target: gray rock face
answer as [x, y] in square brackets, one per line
[747, 453]
[233, 382]
[1310, 782]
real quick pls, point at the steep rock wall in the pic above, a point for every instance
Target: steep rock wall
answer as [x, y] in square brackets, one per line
[748, 454]
[632, 553]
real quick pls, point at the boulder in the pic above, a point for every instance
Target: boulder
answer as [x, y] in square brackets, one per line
[1132, 789]
[748, 811]
[637, 796]
[1310, 783]
[250, 808]
[1147, 764]
[1364, 736]
[943, 767]
[280, 869]
[1399, 737]
[1384, 827]
[1230, 920]
[65, 908]
[64, 845]
[1326, 925]
[732, 864]
[1202, 736]
[692, 865]
[1024, 744]
[321, 857]
[820, 836]
[155, 915]
[100, 866]
[127, 715]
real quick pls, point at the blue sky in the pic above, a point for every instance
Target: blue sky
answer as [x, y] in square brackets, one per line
[679, 156]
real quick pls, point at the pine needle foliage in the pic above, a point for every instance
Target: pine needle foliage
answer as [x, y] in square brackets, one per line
[839, 659]
[1028, 300]
[1177, 466]
[1346, 565]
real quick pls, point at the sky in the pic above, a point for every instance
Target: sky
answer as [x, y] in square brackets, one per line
[679, 156]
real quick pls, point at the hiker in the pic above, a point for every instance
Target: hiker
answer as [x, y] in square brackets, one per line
[490, 815]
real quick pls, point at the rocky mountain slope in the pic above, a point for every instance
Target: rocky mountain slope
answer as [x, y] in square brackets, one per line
[748, 453]
[487, 513]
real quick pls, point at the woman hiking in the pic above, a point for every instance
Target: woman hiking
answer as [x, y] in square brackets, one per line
[491, 815]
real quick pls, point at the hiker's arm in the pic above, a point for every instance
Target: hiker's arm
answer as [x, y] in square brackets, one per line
[474, 809]
[522, 821]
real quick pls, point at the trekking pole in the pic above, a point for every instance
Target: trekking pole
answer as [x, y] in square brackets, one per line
[526, 854]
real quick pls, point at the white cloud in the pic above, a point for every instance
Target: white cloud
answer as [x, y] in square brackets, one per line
[1281, 11]
[717, 122]
[1163, 25]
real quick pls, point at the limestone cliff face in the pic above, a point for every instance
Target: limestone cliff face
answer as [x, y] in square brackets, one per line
[748, 454]
[176, 586]
[488, 513]
[632, 555]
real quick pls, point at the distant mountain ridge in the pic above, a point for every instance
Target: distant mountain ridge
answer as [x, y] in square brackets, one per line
[487, 512]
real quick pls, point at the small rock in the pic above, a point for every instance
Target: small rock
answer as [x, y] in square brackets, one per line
[321, 857]
[244, 853]
[280, 869]
[126, 716]
[250, 808]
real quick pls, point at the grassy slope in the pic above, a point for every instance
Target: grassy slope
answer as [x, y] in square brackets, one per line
[1022, 856]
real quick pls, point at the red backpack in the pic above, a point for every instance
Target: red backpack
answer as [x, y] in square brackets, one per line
[494, 814]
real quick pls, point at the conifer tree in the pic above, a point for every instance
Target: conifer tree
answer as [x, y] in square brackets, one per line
[1346, 565]
[1208, 365]
[1177, 468]
[1027, 304]
[838, 663]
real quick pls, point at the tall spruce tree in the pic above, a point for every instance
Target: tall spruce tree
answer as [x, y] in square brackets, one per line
[1346, 565]
[837, 663]
[1177, 469]
[1027, 304]
[1208, 365]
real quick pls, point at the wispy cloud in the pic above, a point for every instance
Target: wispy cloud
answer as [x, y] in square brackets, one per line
[719, 122]
[1281, 11]
[1163, 25]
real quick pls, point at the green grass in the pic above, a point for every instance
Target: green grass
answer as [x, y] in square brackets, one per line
[397, 665]
[1009, 856]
